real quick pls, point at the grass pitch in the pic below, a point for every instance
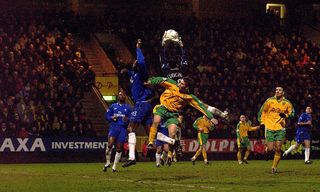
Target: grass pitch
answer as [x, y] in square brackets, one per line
[293, 175]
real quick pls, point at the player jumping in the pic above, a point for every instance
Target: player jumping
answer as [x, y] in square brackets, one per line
[142, 111]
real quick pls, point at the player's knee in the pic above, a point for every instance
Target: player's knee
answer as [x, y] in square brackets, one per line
[129, 129]
[110, 144]
[108, 149]
[156, 121]
[119, 150]
[277, 150]
[119, 147]
[269, 149]
[306, 144]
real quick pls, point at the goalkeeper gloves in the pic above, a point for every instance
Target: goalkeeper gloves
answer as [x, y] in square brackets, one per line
[225, 114]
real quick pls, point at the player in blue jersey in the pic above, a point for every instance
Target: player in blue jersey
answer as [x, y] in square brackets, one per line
[303, 134]
[162, 147]
[118, 116]
[142, 111]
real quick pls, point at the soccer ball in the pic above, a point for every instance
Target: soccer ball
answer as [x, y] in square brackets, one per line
[170, 36]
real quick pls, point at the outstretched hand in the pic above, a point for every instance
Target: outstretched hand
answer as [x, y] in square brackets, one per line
[139, 42]
[147, 83]
[225, 115]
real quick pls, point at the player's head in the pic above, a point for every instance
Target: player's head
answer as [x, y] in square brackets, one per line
[279, 92]
[243, 118]
[185, 84]
[121, 97]
[308, 110]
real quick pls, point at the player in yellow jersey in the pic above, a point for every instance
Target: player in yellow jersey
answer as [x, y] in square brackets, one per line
[272, 116]
[243, 140]
[167, 98]
[174, 98]
[203, 125]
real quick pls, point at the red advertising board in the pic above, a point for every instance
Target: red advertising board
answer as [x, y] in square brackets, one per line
[220, 145]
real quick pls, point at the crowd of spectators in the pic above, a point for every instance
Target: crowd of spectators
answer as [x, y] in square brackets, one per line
[236, 64]
[43, 76]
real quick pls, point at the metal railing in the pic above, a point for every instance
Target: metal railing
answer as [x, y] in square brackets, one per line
[100, 98]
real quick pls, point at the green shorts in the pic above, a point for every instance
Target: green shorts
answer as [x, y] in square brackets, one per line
[278, 135]
[203, 138]
[167, 116]
[243, 143]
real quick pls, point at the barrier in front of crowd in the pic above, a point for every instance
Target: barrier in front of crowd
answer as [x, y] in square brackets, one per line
[19, 150]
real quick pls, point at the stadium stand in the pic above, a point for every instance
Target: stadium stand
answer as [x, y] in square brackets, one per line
[44, 76]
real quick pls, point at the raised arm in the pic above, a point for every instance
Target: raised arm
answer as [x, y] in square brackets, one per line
[141, 63]
[216, 111]
[196, 103]
[253, 128]
[163, 81]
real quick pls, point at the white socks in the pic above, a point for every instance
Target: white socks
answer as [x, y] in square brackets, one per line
[132, 145]
[164, 138]
[116, 160]
[158, 156]
[108, 156]
[306, 154]
[291, 148]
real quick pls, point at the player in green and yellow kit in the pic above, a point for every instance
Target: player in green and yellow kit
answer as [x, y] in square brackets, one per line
[173, 100]
[203, 125]
[272, 116]
[243, 140]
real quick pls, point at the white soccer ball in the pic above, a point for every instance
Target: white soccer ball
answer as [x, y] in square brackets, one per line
[170, 36]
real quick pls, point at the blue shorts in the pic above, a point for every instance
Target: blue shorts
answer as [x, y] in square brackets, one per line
[141, 113]
[119, 133]
[164, 131]
[303, 134]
